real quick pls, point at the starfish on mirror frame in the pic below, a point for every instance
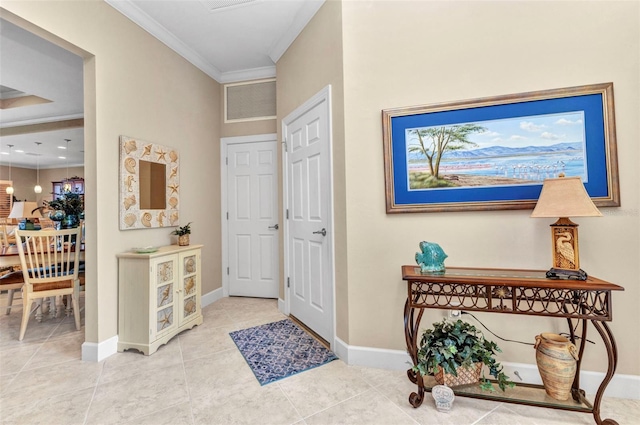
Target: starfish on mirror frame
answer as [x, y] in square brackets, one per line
[161, 154]
[174, 187]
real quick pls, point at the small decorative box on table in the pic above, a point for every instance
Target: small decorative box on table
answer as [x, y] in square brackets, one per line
[159, 296]
[513, 291]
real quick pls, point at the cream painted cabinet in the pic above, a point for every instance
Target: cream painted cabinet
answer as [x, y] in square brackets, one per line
[158, 296]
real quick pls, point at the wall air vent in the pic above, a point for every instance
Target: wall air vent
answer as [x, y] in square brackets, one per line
[250, 101]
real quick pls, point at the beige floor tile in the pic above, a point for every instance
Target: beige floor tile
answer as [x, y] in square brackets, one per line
[47, 382]
[257, 405]
[132, 362]
[69, 409]
[58, 350]
[174, 415]
[320, 388]
[138, 395]
[213, 377]
[206, 341]
[14, 358]
[368, 408]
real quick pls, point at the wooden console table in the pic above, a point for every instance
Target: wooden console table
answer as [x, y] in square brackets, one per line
[513, 292]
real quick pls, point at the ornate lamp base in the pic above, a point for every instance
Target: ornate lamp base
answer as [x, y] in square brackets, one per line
[554, 273]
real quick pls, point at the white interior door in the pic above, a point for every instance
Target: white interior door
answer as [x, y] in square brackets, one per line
[309, 226]
[252, 197]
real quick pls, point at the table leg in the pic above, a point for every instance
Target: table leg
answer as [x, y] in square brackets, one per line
[612, 355]
[411, 329]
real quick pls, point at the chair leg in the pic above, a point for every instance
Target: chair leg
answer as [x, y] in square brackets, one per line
[40, 309]
[76, 310]
[26, 309]
[9, 300]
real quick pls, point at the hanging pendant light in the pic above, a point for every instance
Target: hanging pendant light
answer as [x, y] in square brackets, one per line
[66, 187]
[9, 188]
[37, 188]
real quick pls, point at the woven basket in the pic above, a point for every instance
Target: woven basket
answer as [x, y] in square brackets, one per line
[183, 240]
[465, 376]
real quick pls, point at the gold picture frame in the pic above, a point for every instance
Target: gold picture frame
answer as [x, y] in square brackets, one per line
[491, 165]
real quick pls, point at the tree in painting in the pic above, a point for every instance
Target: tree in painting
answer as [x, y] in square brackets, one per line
[433, 142]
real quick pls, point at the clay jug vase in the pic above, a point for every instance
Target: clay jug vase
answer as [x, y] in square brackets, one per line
[556, 357]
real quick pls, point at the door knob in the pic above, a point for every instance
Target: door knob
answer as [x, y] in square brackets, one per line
[322, 232]
[274, 227]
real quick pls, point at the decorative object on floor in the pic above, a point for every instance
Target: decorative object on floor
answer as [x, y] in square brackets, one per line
[280, 349]
[459, 349]
[565, 197]
[183, 233]
[149, 184]
[443, 396]
[436, 157]
[556, 357]
[431, 257]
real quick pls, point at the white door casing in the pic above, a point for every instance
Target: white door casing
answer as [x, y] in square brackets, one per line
[308, 204]
[250, 217]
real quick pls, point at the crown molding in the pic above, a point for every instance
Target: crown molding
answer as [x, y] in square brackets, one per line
[308, 11]
[248, 74]
[137, 16]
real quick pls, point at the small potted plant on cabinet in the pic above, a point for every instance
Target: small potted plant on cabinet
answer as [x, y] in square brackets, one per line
[183, 233]
[454, 352]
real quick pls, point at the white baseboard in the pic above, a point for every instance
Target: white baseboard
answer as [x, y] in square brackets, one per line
[621, 386]
[281, 306]
[98, 351]
[211, 297]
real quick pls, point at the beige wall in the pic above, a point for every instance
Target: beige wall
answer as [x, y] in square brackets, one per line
[24, 179]
[404, 53]
[134, 86]
[399, 53]
[312, 62]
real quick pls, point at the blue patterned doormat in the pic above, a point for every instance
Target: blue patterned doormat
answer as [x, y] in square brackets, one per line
[280, 349]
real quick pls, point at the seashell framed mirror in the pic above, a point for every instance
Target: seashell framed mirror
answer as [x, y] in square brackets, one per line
[149, 185]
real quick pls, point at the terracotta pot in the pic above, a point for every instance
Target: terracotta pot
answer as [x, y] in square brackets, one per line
[183, 240]
[556, 357]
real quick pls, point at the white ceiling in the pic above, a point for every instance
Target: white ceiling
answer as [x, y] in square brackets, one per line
[242, 40]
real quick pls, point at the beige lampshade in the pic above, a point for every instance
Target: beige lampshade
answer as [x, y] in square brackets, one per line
[565, 197]
[23, 210]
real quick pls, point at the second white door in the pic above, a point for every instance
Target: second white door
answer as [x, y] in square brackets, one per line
[252, 196]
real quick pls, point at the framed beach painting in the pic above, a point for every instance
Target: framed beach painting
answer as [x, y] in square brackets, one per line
[494, 153]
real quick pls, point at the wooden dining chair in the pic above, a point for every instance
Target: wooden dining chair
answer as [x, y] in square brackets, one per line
[50, 266]
[11, 281]
[6, 238]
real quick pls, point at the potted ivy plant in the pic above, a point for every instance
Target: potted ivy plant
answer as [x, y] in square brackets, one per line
[452, 351]
[183, 233]
[68, 209]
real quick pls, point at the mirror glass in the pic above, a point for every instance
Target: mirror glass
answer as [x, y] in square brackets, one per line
[152, 184]
[149, 185]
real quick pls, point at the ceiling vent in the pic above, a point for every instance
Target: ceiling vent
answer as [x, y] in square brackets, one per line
[214, 5]
[250, 101]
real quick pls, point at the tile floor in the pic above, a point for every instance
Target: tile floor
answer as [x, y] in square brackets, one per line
[199, 377]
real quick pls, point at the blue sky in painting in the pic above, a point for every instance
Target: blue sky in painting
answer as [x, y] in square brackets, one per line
[539, 130]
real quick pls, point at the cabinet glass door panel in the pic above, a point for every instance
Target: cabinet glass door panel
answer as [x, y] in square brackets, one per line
[165, 294]
[165, 319]
[165, 271]
[190, 307]
[190, 264]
